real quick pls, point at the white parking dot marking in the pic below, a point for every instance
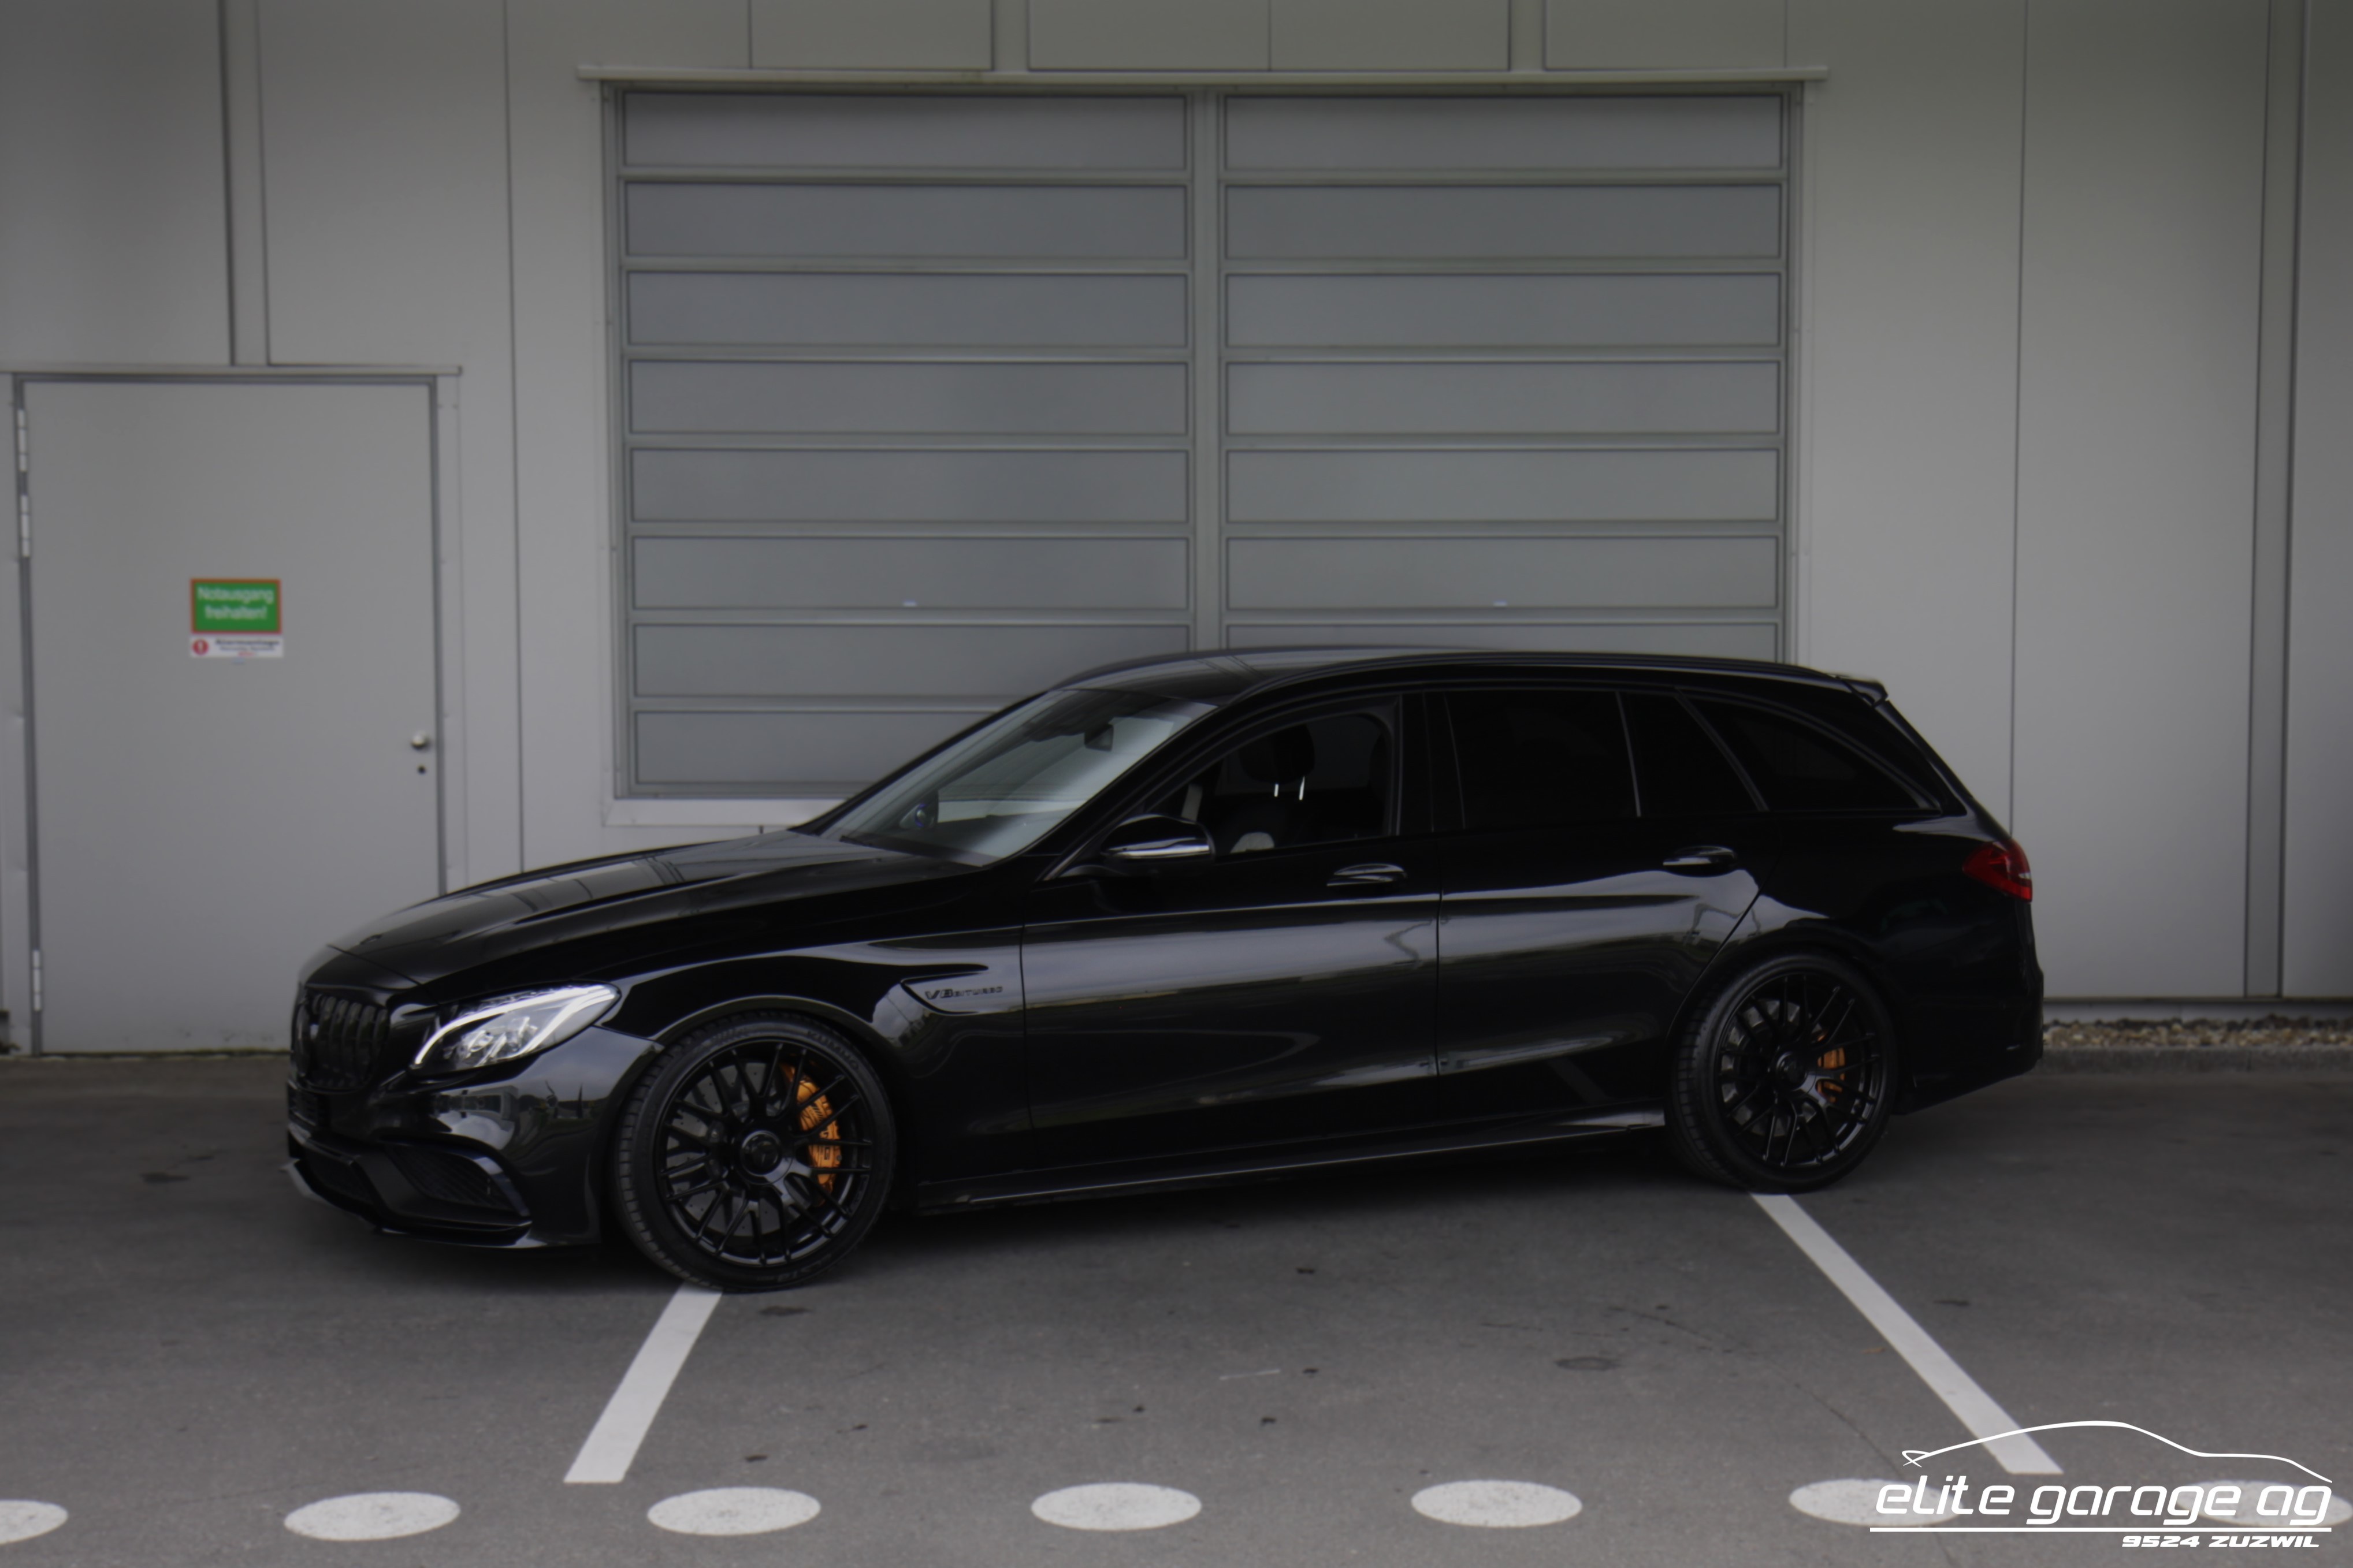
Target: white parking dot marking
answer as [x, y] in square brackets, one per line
[1854, 1501]
[733, 1510]
[2246, 1516]
[2019, 1455]
[372, 1516]
[612, 1445]
[21, 1521]
[1497, 1505]
[1116, 1505]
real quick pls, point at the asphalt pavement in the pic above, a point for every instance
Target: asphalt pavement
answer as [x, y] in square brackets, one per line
[191, 1354]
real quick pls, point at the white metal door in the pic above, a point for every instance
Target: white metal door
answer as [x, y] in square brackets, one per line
[202, 823]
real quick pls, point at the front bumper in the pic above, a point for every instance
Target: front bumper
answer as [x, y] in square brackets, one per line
[512, 1159]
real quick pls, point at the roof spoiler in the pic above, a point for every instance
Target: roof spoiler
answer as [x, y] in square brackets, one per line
[1871, 691]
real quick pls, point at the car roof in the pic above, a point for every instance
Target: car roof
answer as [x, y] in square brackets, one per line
[1226, 673]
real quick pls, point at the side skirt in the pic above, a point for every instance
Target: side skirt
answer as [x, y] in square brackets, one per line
[1172, 1175]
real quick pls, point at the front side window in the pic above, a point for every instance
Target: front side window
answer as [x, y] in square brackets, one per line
[1321, 781]
[1004, 786]
[1536, 758]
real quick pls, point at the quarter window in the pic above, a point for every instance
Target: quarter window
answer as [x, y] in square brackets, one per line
[1799, 768]
[1535, 757]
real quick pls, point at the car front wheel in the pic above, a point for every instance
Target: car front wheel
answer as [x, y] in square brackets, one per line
[1784, 1076]
[754, 1155]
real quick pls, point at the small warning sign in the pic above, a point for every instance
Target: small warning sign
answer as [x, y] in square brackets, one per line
[237, 645]
[236, 618]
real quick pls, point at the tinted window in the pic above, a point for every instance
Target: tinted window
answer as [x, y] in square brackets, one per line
[1799, 768]
[1683, 772]
[999, 790]
[1532, 758]
[1324, 781]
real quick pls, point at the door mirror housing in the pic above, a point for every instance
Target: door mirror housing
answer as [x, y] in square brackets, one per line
[1144, 841]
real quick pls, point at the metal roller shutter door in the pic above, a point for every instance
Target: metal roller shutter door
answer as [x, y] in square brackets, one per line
[925, 401]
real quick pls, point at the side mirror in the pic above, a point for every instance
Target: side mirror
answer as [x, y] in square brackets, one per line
[1143, 841]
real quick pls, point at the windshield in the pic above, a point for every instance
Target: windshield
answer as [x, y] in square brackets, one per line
[1001, 788]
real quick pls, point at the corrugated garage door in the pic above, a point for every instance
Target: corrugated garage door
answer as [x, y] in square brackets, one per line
[928, 400]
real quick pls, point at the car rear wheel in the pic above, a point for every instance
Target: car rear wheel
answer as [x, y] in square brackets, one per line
[1784, 1076]
[754, 1155]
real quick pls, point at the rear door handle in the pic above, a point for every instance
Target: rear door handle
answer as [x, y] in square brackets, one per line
[1365, 874]
[1700, 858]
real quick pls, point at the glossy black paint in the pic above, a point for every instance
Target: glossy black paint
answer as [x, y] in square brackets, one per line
[1049, 1024]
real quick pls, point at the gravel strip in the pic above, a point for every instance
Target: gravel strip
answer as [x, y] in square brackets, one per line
[2274, 1044]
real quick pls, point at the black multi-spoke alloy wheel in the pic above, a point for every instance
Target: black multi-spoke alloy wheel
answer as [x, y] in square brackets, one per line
[1783, 1076]
[755, 1155]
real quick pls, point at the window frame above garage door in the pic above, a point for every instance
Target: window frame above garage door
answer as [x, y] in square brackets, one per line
[832, 549]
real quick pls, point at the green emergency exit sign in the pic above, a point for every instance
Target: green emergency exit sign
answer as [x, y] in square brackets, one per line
[234, 605]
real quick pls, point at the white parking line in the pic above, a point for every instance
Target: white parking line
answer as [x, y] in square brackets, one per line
[2021, 1456]
[612, 1445]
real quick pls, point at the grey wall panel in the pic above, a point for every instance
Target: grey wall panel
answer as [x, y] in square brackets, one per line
[1913, 167]
[113, 246]
[1712, 639]
[1514, 398]
[785, 754]
[1056, 222]
[830, 398]
[868, 130]
[1618, 34]
[1503, 487]
[1504, 132]
[1391, 35]
[993, 662]
[909, 487]
[2139, 293]
[1498, 573]
[1503, 222]
[906, 35]
[673, 571]
[907, 309]
[1147, 35]
[1492, 310]
[2318, 901]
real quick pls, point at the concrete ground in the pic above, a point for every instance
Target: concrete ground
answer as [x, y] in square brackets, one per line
[189, 1353]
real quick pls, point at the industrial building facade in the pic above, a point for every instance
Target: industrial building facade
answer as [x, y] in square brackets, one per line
[637, 422]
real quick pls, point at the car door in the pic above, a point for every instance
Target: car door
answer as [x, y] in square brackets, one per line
[1280, 990]
[1578, 911]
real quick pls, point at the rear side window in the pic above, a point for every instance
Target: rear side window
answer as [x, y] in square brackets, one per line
[1532, 758]
[1799, 768]
[1684, 771]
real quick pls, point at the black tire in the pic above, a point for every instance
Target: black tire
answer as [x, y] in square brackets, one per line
[755, 1155]
[1784, 1076]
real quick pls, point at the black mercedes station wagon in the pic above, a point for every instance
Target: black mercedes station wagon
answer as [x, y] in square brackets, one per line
[1192, 919]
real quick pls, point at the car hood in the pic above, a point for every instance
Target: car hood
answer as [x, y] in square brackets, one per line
[500, 920]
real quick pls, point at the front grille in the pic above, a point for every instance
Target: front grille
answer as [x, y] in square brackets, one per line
[306, 1108]
[450, 1177]
[337, 1042]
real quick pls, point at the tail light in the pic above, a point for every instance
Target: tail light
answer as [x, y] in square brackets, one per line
[2001, 866]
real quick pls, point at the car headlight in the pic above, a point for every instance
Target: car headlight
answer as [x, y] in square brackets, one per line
[515, 1027]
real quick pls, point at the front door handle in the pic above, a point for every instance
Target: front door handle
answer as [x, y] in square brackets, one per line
[1367, 874]
[1698, 859]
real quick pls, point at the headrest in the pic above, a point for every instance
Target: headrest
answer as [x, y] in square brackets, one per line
[1280, 758]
